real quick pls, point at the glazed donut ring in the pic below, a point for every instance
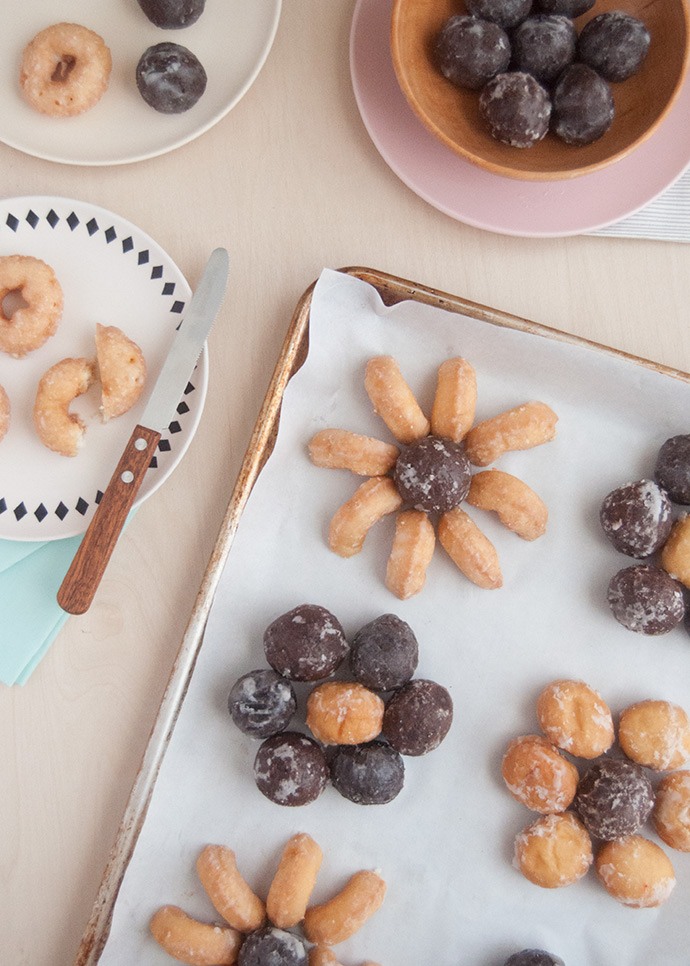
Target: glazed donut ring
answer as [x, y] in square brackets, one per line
[65, 70]
[28, 328]
[58, 428]
[4, 412]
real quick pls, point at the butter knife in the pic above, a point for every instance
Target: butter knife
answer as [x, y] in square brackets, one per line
[91, 559]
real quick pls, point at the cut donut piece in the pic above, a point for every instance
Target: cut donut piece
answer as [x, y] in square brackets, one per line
[58, 428]
[122, 371]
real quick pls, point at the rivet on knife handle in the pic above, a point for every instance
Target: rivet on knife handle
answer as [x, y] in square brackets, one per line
[88, 566]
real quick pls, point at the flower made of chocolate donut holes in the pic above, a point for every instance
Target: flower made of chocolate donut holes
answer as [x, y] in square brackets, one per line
[428, 476]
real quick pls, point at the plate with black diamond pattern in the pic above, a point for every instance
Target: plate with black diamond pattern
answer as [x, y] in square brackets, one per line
[231, 38]
[113, 273]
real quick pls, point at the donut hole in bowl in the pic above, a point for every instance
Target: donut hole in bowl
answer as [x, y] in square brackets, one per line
[452, 113]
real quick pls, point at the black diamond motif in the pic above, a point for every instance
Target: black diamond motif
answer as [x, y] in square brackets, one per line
[110, 234]
[168, 288]
[20, 511]
[127, 245]
[177, 306]
[40, 512]
[82, 506]
[72, 221]
[12, 222]
[189, 388]
[61, 510]
[92, 226]
[99, 496]
[32, 218]
[183, 408]
[164, 446]
[153, 465]
[143, 258]
[3, 505]
[52, 218]
[174, 427]
[157, 271]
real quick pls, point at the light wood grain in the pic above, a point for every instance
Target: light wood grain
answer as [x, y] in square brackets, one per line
[289, 182]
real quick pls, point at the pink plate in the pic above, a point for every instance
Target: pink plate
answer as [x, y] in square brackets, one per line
[484, 200]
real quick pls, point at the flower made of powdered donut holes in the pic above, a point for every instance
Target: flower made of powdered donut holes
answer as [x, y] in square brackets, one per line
[431, 475]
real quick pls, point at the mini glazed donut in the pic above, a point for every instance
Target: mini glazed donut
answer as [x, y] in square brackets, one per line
[193, 942]
[122, 370]
[671, 815]
[636, 872]
[537, 775]
[65, 70]
[5, 410]
[554, 851]
[655, 734]
[30, 326]
[575, 718]
[58, 428]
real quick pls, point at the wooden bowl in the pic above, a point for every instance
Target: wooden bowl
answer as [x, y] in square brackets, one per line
[452, 114]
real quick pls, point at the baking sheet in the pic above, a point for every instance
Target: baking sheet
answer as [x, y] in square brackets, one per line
[445, 844]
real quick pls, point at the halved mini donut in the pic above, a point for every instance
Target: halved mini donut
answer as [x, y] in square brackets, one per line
[58, 428]
[122, 371]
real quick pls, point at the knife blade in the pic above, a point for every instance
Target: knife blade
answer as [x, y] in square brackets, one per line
[79, 586]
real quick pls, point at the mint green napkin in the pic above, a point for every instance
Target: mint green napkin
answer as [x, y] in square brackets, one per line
[30, 616]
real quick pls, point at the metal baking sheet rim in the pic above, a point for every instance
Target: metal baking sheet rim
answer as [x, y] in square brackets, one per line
[292, 356]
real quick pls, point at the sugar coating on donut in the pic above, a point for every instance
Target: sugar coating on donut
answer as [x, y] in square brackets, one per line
[30, 325]
[637, 518]
[538, 776]
[574, 717]
[344, 713]
[5, 411]
[121, 368]
[554, 851]
[58, 428]
[671, 815]
[636, 872]
[655, 734]
[614, 798]
[65, 70]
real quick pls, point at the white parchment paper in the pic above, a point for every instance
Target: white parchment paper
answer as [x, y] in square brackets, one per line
[445, 844]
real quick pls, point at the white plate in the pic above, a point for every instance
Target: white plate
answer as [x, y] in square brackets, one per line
[115, 274]
[232, 39]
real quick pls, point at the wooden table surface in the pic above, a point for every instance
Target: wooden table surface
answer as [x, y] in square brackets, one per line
[288, 182]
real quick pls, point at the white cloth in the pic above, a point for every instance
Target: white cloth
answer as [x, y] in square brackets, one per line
[667, 218]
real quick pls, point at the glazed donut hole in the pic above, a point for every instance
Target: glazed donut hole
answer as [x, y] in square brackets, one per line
[554, 851]
[635, 871]
[575, 718]
[655, 734]
[671, 815]
[342, 713]
[538, 776]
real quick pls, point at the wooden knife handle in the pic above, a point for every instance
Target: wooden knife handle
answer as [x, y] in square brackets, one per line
[88, 566]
